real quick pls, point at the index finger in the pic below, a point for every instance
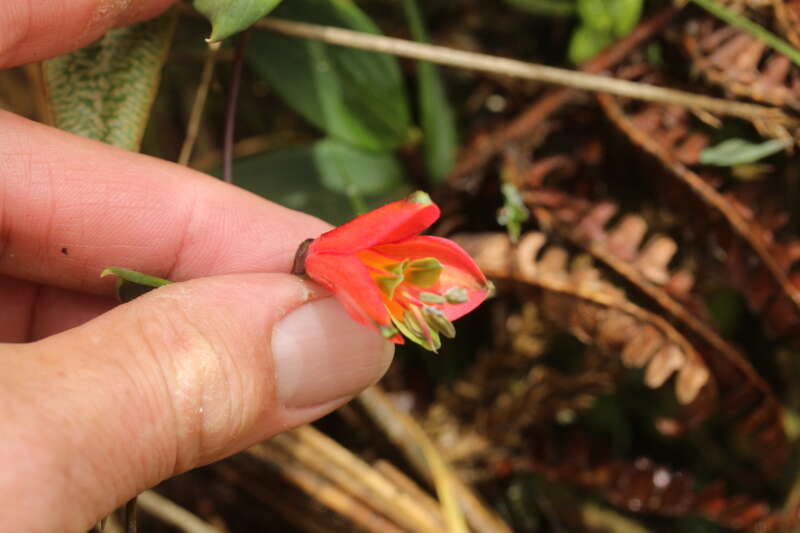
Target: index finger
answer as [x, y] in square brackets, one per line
[32, 30]
[70, 207]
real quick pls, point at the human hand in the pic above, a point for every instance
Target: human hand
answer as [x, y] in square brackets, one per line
[99, 402]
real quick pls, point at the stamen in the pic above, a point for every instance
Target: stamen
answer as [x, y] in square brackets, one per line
[432, 298]
[436, 319]
[456, 295]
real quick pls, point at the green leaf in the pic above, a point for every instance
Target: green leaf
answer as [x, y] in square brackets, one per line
[228, 17]
[345, 169]
[440, 140]
[586, 42]
[734, 152]
[105, 90]
[552, 8]
[352, 95]
[596, 14]
[132, 284]
[625, 15]
[616, 16]
[513, 213]
[328, 179]
[602, 21]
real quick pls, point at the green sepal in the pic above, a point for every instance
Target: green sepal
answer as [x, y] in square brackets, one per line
[388, 284]
[131, 284]
[387, 332]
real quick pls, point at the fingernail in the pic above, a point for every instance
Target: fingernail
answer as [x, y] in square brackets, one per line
[322, 355]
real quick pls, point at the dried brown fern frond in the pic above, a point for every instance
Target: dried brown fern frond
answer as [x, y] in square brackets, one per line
[787, 15]
[646, 268]
[576, 298]
[742, 64]
[766, 266]
[641, 485]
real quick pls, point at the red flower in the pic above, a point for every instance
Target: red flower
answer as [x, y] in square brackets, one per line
[390, 278]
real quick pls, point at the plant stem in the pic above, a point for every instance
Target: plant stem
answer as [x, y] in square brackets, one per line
[230, 112]
[521, 69]
[193, 128]
[745, 24]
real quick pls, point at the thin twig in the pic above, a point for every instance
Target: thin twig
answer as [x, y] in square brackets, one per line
[230, 112]
[521, 69]
[481, 149]
[747, 25]
[173, 514]
[199, 105]
[130, 516]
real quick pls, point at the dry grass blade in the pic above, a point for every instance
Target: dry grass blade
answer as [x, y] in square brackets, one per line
[330, 459]
[322, 489]
[173, 514]
[407, 434]
[593, 310]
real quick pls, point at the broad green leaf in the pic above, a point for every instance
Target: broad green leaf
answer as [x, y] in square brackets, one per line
[602, 22]
[105, 90]
[596, 14]
[228, 17]
[616, 16]
[329, 179]
[734, 152]
[440, 141]
[586, 42]
[343, 168]
[352, 95]
[552, 8]
[626, 15]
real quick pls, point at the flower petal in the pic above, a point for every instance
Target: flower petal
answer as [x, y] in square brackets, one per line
[350, 282]
[391, 223]
[445, 250]
[459, 269]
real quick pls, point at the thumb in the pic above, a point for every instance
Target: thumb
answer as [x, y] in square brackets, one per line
[180, 377]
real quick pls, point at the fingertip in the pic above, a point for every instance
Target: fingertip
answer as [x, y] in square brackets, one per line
[322, 355]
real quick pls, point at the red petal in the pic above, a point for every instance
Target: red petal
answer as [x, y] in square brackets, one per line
[459, 269]
[446, 251]
[349, 280]
[391, 223]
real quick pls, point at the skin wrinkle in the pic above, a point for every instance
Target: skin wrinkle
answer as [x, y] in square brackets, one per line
[161, 329]
[186, 223]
